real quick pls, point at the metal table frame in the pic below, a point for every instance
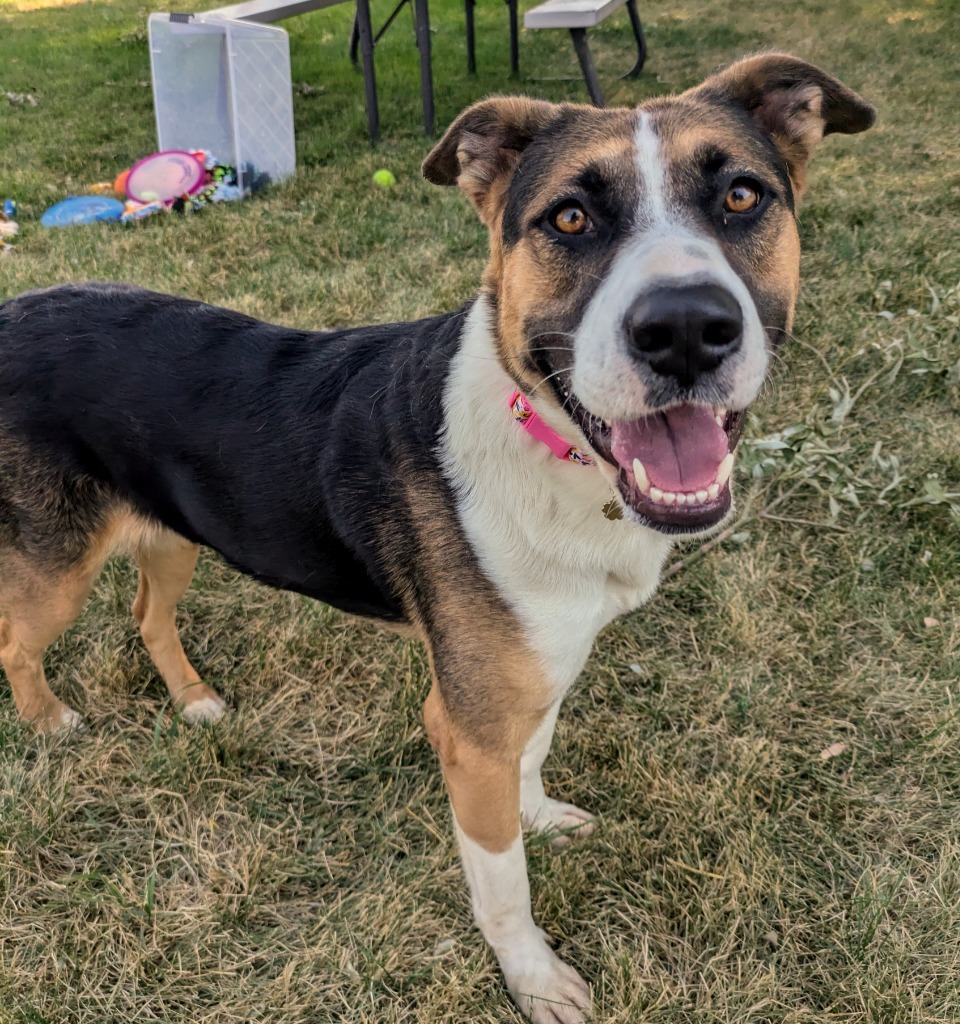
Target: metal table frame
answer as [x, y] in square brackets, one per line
[468, 6]
[362, 40]
[578, 18]
[582, 47]
[362, 36]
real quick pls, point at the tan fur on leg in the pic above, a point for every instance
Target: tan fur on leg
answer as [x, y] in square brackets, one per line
[484, 786]
[166, 563]
[35, 611]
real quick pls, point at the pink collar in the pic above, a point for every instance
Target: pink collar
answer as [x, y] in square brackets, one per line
[524, 414]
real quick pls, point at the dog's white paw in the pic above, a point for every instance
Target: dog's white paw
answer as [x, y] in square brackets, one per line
[565, 822]
[71, 721]
[546, 989]
[206, 710]
[57, 719]
[67, 722]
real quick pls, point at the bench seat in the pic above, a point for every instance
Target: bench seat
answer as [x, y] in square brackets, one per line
[577, 16]
[265, 12]
[570, 13]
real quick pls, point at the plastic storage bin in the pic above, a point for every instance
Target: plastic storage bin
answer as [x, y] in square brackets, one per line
[224, 86]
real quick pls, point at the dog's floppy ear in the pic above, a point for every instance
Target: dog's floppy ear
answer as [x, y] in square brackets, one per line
[795, 103]
[481, 149]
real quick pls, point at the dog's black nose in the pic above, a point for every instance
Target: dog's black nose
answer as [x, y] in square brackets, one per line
[684, 332]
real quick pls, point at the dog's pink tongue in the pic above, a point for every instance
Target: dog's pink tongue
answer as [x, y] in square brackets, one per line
[680, 449]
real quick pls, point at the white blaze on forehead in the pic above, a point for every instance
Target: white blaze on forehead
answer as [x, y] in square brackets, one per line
[667, 248]
[653, 201]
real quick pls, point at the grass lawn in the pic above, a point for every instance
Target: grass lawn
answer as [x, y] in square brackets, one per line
[772, 745]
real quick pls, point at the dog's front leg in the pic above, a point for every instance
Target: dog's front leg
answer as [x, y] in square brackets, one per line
[564, 823]
[483, 781]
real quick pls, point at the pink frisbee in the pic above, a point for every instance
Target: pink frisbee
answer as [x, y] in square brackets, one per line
[164, 176]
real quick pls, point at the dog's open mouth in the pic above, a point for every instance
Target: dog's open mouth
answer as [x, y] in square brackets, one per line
[673, 466]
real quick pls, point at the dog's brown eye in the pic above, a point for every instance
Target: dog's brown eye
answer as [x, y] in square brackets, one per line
[741, 198]
[571, 219]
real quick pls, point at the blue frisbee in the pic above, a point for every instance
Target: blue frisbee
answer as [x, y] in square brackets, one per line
[82, 210]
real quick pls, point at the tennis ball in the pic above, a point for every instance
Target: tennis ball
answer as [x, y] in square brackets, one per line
[384, 178]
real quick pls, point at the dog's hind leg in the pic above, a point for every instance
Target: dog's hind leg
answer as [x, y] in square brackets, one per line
[35, 608]
[166, 563]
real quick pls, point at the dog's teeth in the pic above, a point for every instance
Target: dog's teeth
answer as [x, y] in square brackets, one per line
[656, 494]
[725, 469]
[640, 474]
[701, 496]
[681, 498]
[712, 491]
[669, 497]
[718, 420]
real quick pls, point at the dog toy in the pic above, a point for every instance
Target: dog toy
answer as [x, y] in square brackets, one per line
[8, 226]
[134, 210]
[384, 178]
[82, 210]
[165, 176]
[220, 186]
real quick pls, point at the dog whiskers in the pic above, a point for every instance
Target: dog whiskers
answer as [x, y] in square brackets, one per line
[543, 380]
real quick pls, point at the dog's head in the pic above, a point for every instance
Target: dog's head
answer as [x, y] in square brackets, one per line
[644, 263]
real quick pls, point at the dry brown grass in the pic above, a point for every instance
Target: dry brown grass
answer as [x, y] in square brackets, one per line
[773, 745]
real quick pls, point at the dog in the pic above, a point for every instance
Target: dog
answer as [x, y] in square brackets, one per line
[505, 479]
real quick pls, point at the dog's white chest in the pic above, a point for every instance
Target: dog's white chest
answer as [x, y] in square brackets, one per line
[535, 522]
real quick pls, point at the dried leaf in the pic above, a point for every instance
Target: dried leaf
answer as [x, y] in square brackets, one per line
[348, 968]
[842, 402]
[834, 750]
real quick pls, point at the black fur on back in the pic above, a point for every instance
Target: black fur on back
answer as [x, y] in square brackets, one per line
[286, 451]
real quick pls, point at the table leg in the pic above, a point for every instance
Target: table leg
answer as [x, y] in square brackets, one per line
[365, 33]
[468, 6]
[514, 39]
[579, 37]
[426, 67]
[639, 37]
[355, 43]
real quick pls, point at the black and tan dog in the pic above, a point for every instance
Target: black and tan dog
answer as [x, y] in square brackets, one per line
[505, 479]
